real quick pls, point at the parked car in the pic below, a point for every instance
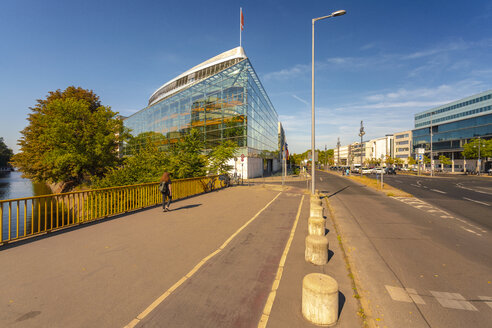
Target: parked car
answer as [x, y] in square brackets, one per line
[390, 170]
[366, 170]
[377, 170]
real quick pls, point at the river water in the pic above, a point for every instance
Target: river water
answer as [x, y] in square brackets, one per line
[12, 185]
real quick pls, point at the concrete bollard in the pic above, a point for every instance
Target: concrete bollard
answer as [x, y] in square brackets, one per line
[316, 226]
[320, 299]
[316, 211]
[316, 201]
[316, 249]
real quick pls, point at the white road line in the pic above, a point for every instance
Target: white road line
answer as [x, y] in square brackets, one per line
[414, 185]
[415, 297]
[476, 201]
[459, 185]
[486, 298]
[408, 295]
[453, 301]
[446, 216]
[439, 191]
[474, 232]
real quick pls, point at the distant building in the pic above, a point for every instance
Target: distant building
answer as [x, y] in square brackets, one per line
[453, 125]
[403, 145]
[223, 98]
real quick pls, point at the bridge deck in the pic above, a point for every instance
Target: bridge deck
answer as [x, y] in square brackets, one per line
[106, 274]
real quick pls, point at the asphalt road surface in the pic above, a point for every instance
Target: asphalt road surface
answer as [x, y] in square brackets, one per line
[461, 196]
[418, 261]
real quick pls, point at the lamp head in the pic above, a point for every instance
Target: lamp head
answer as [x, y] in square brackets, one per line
[338, 13]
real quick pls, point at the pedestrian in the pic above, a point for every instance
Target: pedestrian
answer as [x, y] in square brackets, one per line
[347, 173]
[165, 189]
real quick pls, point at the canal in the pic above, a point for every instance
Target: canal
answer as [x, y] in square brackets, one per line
[13, 186]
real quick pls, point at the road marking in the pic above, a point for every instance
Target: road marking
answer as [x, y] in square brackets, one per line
[399, 181]
[408, 295]
[453, 301]
[459, 185]
[414, 185]
[476, 233]
[447, 216]
[439, 191]
[486, 298]
[271, 297]
[168, 292]
[476, 201]
[415, 297]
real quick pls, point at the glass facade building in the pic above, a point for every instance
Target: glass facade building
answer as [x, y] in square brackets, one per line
[224, 99]
[453, 125]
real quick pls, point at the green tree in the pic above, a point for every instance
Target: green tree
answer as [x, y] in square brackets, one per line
[220, 155]
[411, 160]
[5, 154]
[186, 158]
[70, 138]
[398, 161]
[470, 149]
[426, 160]
[444, 161]
[145, 164]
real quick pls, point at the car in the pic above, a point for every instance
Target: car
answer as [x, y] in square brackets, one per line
[377, 170]
[366, 170]
[390, 170]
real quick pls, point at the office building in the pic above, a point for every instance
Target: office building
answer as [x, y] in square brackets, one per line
[451, 126]
[223, 98]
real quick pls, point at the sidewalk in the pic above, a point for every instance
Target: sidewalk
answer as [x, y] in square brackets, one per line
[210, 262]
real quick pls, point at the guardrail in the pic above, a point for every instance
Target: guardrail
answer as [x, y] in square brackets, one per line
[31, 216]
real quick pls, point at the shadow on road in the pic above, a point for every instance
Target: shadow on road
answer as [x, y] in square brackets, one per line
[185, 207]
[336, 192]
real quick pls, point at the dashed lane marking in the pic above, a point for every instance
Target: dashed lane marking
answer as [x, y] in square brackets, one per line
[486, 298]
[476, 201]
[439, 191]
[471, 231]
[453, 301]
[414, 185]
[421, 205]
[459, 185]
[408, 295]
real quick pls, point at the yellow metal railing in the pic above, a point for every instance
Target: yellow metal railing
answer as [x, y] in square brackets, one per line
[30, 216]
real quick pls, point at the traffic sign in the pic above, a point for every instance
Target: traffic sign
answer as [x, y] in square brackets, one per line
[420, 157]
[242, 157]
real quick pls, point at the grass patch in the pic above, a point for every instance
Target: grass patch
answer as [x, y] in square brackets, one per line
[376, 185]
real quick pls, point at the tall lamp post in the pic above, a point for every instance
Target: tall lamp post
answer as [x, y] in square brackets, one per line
[361, 134]
[479, 164]
[313, 163]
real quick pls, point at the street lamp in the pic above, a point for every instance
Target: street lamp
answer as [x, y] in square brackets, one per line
[479, 164]
[361, 133]
[313, 168]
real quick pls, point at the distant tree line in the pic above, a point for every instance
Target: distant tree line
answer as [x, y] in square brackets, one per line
[5, 154]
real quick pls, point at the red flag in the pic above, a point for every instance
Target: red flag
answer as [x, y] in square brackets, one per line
[242, 20]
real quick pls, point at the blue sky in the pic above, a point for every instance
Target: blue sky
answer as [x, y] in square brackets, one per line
[382, 62]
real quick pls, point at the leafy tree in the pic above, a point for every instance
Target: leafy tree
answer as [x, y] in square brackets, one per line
[186, 158]
[146, 164]
[470, 149]
[444, 161]
[70, 138]
[5, 154]
[398, 161]
[426, 160]
[411, 160]
[220, 155]
[389, 160]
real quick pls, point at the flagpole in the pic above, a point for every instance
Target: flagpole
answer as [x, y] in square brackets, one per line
[240, 26]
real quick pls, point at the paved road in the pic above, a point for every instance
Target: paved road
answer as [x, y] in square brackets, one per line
[416, 268]
[461, 196]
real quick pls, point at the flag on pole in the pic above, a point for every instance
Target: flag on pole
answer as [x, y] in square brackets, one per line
[242, 20]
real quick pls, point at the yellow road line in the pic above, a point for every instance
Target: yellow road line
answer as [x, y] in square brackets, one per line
[271, 297]
[168, 292]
